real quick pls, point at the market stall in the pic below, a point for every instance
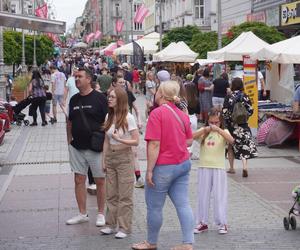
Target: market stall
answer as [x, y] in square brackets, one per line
[246, 43]
[176, 52]
[148, 43]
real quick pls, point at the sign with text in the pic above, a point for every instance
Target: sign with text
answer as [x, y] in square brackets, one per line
[290, 13]
[250, 88]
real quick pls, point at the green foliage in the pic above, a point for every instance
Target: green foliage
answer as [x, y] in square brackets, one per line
[13, 48]
[268, 34]
[184, 34]
[204, 42]
[21, 82]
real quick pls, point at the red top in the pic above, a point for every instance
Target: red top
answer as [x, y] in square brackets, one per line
[164, 127]
[135, 76]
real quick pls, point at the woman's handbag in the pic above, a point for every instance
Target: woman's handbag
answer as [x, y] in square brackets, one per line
[96, 137]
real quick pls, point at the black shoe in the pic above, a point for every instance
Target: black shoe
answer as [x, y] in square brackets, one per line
[33, 124]
[44, 123]
[54, 120]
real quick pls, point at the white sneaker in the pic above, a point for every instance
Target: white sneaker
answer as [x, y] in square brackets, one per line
[81, 218]
[120, 235]
[107, 231]
[140, 183]
[100, 220]
[223, 229]
[92, 189]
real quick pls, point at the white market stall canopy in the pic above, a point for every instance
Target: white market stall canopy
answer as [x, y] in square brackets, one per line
[246, 43]
[148, 43]
[80, 45]
[285, 52]
[176, 52]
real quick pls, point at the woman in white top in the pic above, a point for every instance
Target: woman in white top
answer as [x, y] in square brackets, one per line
[121, 133]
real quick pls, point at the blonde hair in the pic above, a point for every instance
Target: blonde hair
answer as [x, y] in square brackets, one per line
[170, 90]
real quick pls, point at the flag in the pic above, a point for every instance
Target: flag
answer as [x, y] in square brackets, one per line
[119, 25]
[90, 37]
[42, 11]
[98, 34]
[138, 56]
[141, 13]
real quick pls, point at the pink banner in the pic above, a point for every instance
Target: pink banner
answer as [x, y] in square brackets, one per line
[119, 25]
[141, 14]
[42, 11]
[98, 34]
[90, 37]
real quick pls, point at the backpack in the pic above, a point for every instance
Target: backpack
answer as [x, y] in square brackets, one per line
[239, 113]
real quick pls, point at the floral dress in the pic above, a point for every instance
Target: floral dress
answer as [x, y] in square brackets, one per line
[244, 146]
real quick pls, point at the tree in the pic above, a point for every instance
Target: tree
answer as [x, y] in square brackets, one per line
[13, 48]
[268, 34]
[184, 34]
[204, 42]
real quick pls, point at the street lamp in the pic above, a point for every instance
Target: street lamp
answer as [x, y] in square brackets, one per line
[34, 66]
[2, 77]
[160, 23]
[24, 68]
[131, 20]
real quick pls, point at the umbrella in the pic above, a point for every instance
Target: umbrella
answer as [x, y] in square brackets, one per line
[279, 132]
[80, 45]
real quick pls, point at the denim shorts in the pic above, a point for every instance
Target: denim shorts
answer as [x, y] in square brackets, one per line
[83, 159]
[58, 99]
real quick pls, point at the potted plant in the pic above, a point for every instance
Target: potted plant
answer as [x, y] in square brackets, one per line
[20, 87]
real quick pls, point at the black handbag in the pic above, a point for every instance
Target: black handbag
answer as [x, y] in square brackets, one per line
[96, 137]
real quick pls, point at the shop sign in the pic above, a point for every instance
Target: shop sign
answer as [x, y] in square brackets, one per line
[257, 17]
[272, 17]
[290, 13]
[250, 88]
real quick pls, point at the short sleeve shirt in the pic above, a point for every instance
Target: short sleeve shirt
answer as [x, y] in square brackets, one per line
[94, 106]
[212, 151]
[58, 79]
[163, 126]
[123, 135]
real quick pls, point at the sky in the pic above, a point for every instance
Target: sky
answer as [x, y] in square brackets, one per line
[68, 10]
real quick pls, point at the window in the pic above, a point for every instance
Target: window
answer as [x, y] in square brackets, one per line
[138, 26]
[13, 8]
[117, 9]
[199, 9]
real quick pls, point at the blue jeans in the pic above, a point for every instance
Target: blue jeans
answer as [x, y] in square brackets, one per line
[172, 180]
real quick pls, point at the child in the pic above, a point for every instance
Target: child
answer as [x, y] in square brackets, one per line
[48, 103]
[211, 173]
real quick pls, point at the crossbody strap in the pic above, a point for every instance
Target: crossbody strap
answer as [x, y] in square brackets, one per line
[176, 116]
[83, 117]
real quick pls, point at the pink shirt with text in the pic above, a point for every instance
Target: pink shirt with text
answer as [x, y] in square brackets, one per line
[164, 127]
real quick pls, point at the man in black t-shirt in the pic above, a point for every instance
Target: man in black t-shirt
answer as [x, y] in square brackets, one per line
[94, 107]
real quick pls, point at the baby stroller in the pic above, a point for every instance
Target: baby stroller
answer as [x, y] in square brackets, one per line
[295, 210]
[18, 116]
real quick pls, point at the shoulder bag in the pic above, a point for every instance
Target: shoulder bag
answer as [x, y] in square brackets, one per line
[96, 137]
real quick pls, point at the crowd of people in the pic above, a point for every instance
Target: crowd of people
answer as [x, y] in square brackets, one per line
[104, 123]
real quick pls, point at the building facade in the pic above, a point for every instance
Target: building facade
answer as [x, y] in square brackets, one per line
[124, 11]
[201, 13]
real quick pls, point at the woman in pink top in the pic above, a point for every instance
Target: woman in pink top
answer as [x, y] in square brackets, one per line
[168, 134]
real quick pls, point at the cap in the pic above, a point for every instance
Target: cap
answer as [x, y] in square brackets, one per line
[163, 75]
[125, 65]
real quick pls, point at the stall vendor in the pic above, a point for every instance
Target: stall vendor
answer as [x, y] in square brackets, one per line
[296, 103]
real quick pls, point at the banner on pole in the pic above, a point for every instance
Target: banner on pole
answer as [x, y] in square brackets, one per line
[250, 88]
[138, 56]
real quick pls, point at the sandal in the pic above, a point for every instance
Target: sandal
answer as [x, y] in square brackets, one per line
[145, 245]
[183, 247]
[231, 171]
